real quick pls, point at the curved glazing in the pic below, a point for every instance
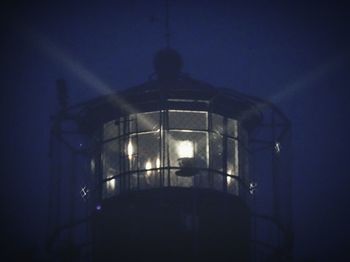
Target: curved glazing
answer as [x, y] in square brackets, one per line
[172, 148]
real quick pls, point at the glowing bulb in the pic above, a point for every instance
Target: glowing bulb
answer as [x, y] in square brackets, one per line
[148, 166]
[158, 163]
[185, 149]
[130, 150]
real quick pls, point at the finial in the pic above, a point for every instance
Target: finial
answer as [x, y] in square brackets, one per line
[167, 64]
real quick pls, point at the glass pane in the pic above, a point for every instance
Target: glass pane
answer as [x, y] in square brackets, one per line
[216, 151]
[110, 159]
[217, 124]
[131, 124]
[242, 154]
[148, 154]
[232, 185]
[130, 153]
[120, 123]
[148, 121]
[110, 130]
[188, 145]
[111, 187]
[232, 127]
[149, 179]
[232, 165]
[188, 120]
[232, 157]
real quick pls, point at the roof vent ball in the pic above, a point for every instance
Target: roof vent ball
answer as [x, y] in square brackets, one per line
[167, 64]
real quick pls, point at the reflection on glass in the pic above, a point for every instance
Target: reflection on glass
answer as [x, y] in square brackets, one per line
[130, 150]
[148, 166]
[148, 121]
[111, 185]
[229, 179]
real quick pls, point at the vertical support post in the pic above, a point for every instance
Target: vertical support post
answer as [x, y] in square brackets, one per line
[224, 155]
[137, 152]
[166, 128]
[210, 144]
[161, 154]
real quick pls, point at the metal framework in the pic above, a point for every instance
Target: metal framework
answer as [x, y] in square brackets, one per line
[76, 169]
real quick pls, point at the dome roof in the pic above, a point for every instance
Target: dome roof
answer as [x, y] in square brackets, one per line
[171, 89]
[183, 94]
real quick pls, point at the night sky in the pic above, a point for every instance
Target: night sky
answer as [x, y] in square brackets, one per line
[293, 54]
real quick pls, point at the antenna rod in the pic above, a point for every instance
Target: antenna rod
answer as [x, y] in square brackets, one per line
[167, 29]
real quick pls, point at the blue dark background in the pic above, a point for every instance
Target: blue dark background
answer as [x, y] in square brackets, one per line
[293, 53]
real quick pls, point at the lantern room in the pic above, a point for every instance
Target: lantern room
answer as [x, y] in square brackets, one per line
[177, 169]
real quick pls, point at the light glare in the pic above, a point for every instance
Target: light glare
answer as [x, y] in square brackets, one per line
[130, 150]
[185, 149]
[148, 166]
[111, 185]
[228, 178]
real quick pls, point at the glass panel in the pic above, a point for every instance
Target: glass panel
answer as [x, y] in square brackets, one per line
[217, 124]
[243, 156]
[232, 157]
[232, 185]
[149, 179]
[232, 165]
[130, 150]
[188, 120]
[121, 124]
[148, 121]
[110, 188]
[110, 159]
[110, 130]
[110, 162]
[188, 145]
[216, 151]
[232, 127]
[131, 124]
[148, 150]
